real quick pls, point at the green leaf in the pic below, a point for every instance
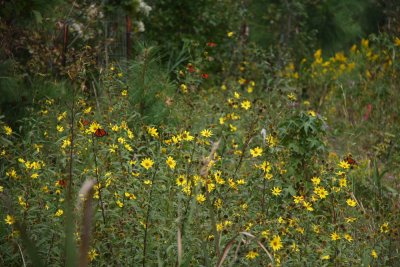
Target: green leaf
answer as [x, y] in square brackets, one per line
[38, 16]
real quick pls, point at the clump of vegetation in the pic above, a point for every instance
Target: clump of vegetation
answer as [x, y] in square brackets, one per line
[226, 155]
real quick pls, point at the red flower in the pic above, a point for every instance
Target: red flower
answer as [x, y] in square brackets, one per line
[211, 44]
[191, 68]
[204, 76]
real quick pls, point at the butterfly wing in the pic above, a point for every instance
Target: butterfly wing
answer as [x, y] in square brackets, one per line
[100, 133]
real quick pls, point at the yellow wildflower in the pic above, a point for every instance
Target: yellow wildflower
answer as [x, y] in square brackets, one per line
[59, 213]
[351, 202]
[335, 236]
[200, 198]
[276, 243]
[206, 133]
[7, 130]
[9, 220]
[92, 254]
[255, 152]
[246, 104]
[147, 163]
[171, 162]
[252, 255]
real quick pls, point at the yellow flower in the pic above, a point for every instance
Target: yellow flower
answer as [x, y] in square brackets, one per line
[92, 254]
[171, 162]
[276, 243]
[34, 175]
[93, 127]
[246, 104]
[115, 128]
[60, 128]
[232, 128]
[343, 164]
[257, 151]
[311, 113]
[186, 136]
[8, 130]
[59, 212]
[9, 220]
[298, 199]
[130, 196]
[342, 182]
[241, 182]
[315, 180]
[271, 140]
[11, 173]
[113, 148]
[66, 143]
[220, 227]
[276, 191]
[206, 133]
[308, 206]
[184, 88]
[384, 227]
[119, 203]
[124, 92]
[152, 131]
[374, 254]
[351, 202]
[251, 255]
[397, 41]
[318, 54]
[292, 97]
[181, 180]
[350, 219]
[348, 237]
[365, 43]
[130, 134]
[87, 110]
[22, 202]
[325, 257]
[230, 34]
[147, 163]
[321, 192]
[200, 198]
[335, 236]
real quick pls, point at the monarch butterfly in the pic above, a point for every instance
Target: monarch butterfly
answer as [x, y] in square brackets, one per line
[100, 133]
[349, 159]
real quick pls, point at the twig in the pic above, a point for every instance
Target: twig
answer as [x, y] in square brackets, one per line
[22, 255]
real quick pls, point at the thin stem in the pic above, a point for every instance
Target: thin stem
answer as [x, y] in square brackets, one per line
[22, 255]
[148, 218]
[98, 182]
[245, 146]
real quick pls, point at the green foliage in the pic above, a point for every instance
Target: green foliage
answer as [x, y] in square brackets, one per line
[200, 21]
[303, 25]
[229, 155]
